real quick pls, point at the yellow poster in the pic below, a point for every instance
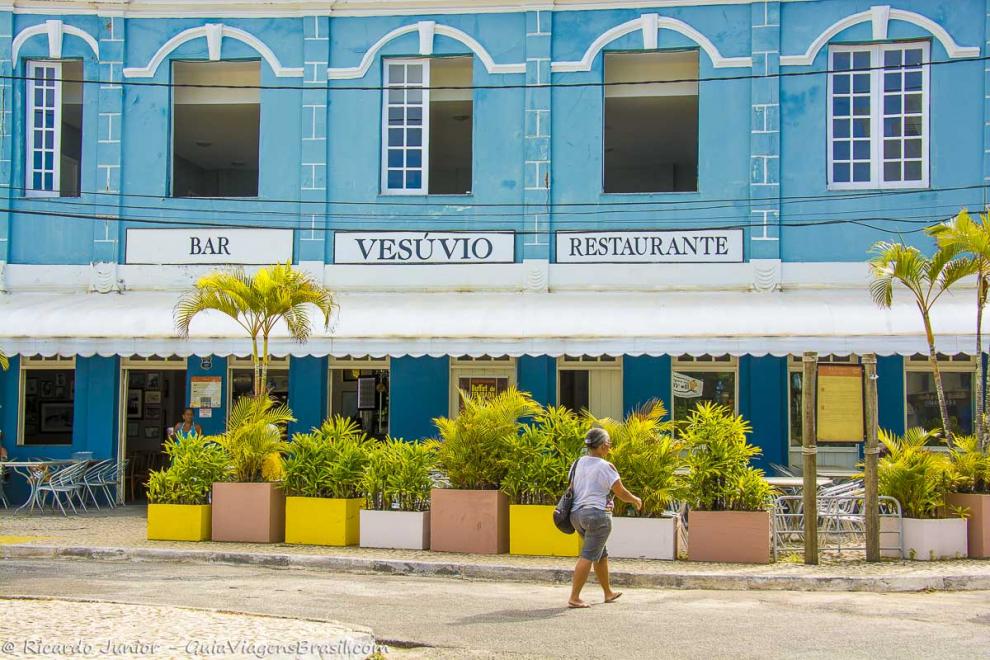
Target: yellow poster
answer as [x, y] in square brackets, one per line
[840, 403]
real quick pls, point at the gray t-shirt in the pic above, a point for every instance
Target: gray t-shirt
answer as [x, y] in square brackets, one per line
[593, 481]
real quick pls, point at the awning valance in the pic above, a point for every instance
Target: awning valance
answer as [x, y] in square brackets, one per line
[474, 324]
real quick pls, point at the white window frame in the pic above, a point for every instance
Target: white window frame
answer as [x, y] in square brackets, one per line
[944, 366]
[29, 149]
[876, 117]
[37, 363]
[706, 364]
[425, 86]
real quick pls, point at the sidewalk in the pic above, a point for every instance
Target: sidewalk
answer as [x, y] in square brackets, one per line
[120, 535]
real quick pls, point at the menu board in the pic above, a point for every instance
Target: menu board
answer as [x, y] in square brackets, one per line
[483, 387]
[205, 391]
[840, 403]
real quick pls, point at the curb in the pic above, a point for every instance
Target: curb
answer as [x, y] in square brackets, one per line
[506, 573]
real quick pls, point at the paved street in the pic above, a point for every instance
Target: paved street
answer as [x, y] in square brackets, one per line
[437, 617]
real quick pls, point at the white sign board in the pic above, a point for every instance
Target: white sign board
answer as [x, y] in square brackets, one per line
[205, 392]
[686, 387]
[650, 247]
[208, 246]
[413, 247]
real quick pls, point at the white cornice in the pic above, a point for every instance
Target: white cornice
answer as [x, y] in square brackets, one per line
[880, 16]
[343, 8]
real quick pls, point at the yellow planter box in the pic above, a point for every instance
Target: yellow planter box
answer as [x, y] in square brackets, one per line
[322, 521]
[179, 522]
[532, 532]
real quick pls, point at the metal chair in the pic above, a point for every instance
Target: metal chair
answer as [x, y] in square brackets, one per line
[3, 496]
[64, 481]
[781, 470]
[110, 478]
[91, 479]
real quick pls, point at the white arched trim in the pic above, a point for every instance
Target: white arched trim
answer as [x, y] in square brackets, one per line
[214, 33]
[880, 16]
[55, 30]
[427, 30]
[649, 25]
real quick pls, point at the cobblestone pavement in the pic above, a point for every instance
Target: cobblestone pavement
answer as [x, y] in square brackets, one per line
[125, 527]
[54, 628]
[454, 619]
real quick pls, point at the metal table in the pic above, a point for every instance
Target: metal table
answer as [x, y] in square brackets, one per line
[35, 473]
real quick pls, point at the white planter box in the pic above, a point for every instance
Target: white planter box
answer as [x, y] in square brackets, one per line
[407, 530]
[927, 540]
[890, 537]
[643, 538]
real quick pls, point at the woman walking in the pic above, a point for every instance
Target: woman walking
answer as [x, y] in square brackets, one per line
[595, 481]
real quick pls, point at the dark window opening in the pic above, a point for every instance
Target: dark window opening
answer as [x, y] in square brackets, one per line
[451, 125]
[575, 390]
[49, 406]
[651, 126]
[215, 129]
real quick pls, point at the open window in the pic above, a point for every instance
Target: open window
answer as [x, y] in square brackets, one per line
[428, 118]
[592, 383]
[54, 128]
[216, 123]
[921, 400]
[47, 401]
[704, 378]
[651, 126]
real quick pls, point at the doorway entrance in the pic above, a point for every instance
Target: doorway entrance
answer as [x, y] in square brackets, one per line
[153, 394]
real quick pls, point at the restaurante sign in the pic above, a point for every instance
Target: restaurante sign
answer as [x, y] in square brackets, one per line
[689, 246]
[412, 247]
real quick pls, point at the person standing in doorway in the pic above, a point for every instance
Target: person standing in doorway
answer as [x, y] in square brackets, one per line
[595, 481]
[187, 426]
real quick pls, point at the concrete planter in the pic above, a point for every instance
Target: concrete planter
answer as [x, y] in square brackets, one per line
[472, 521]
[890, 538]
[532, 532]
[322, 520]
[928, 540]
[643, 538]
[248, 513]
[741, 537]
[978, 522]
[179, 522]
[406, 530]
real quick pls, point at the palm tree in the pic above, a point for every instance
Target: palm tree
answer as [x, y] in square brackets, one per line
[926, 278]
[253, 439]
[257, 303]
[966, 235]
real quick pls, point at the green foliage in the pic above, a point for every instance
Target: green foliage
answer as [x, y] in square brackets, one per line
[399, 475]
[475, 445]
[195, 464]
[719, 476]
[647, 457]
[253, 439]
[539, 459]
[918, 478]
[328, 462]
[971, 465]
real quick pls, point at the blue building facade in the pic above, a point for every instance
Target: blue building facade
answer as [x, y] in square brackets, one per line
[601, 203]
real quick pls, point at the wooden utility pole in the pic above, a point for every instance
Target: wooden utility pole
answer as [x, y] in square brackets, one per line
[871, 498]
[809, 436]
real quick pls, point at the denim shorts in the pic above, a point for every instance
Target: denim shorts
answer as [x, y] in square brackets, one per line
[593, 526]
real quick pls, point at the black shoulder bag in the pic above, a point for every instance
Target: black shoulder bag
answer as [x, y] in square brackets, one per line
[562, 512]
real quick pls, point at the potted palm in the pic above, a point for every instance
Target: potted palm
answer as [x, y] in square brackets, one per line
[472, 514]
[730, 500]
[179, 495]
[250, 507]
[396, 486]
[536, 470]
[323, 473]
[921, 480]
[972, 491]
[647, 457]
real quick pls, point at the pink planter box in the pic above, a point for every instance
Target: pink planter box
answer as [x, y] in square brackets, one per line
[471, 521]
[741, 537]
[979, 522]
[248, 513]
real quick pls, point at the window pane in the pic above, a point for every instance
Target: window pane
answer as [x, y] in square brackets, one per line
[49, 408]
[922, 402]
[861, 172]
[716, 387]
[840, 172]
[892, 171]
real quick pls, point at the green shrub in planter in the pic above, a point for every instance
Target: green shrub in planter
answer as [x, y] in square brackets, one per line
[539, 459]
[195, 464]
[971, 465]
[328, 462]
[917, 477]
[398, 476]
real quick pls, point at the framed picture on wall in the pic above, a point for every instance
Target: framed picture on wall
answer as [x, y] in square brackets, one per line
[59, 380]
[152, 433]
[366, 393]
[56, 417]
[152, 412]
[153, 382]
[135, 400]
[136, 380]
[152, 397]
[47, 389]
[59, 391]
[132, 429]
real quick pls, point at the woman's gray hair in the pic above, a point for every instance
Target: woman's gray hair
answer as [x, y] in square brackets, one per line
[595, 438]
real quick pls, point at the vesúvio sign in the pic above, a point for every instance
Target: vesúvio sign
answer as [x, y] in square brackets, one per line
[408, 247]
[689, 246]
